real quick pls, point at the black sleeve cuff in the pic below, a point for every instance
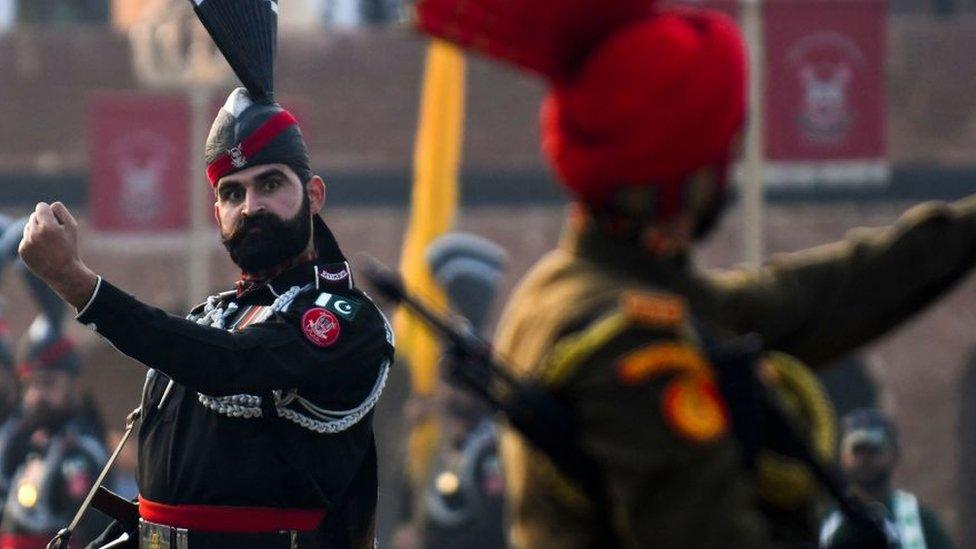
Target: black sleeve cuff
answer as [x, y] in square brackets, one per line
[109, 310]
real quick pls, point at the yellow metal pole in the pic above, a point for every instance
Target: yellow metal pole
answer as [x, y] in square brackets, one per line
[437, 157]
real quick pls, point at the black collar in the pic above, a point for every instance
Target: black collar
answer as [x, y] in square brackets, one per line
[329, 272]
[323, 275]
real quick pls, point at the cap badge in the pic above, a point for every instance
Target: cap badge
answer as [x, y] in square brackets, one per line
[237, 157]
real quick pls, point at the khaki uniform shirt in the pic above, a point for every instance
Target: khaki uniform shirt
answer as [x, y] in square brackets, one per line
[606, 328]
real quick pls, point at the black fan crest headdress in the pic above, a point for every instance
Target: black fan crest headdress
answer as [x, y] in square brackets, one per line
[251, 128]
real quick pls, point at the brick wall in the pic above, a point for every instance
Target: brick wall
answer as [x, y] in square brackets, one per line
[362, 89]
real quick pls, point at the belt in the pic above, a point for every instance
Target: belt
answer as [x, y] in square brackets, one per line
[161, 536]
[224, 518]
[24, 541]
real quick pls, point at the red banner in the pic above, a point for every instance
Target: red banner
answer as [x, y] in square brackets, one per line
[825, 91]
[139, 165]
[824, 100]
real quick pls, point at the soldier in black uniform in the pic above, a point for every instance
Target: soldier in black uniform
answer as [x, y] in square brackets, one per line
[50, 452]
[256, 427]
[10, 234]
[463, 505]
[9, 388]
[257, 409]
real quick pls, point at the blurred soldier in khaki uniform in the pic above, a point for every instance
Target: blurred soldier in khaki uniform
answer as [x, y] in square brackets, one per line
[640, 123]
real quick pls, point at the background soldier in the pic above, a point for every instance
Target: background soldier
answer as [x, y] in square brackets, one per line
[869, 453]
[11, 232]
[9, 389]
[640, 123]
[52, 445]
[51, 450]
[462, 506]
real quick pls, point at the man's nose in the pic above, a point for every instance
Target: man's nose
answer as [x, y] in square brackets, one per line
[252, 203]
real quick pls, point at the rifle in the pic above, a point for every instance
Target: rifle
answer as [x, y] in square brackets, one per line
[756, 414]
[529, 408]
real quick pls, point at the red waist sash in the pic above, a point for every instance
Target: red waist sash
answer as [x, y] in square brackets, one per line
[225, 518]
[24, 541]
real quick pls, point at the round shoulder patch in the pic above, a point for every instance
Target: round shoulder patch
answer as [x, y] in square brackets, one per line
[694, 409]
[321, 327]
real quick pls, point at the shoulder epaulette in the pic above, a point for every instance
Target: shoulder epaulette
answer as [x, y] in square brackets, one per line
[214, 299]
[649, 310]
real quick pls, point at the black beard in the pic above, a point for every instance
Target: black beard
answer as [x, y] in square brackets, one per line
[278, 240]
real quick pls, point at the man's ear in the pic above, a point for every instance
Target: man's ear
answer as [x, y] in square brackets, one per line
[316, 193]
[217, 216]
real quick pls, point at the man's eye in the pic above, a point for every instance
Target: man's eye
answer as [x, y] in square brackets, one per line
[233, 195]
[272, 184]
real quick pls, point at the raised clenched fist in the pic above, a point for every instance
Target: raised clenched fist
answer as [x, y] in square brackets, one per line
[50, 250]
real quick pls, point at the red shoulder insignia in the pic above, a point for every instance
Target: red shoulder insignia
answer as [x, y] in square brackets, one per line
[321, 327]
[694, 409]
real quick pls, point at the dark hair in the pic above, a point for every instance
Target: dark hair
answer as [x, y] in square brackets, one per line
[870, 418]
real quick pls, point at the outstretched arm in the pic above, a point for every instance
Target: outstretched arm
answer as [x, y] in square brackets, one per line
[263, 357]
[269, 355]
[821, 303]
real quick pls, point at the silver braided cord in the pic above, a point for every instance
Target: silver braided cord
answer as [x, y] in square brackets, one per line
[331, 421]
[246, 406]
[249, 406]
[242, 406]
[212, 314]
[284, 300]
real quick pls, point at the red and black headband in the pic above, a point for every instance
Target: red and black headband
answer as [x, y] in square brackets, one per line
[246, 134]
[251, 146]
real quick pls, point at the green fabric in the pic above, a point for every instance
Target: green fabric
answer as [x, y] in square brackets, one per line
[821, 303]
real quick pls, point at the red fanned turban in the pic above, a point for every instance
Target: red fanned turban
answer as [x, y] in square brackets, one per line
[657, 100]
[639, 97]
[548, 37]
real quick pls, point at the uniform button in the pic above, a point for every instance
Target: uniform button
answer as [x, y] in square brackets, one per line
[93, 327]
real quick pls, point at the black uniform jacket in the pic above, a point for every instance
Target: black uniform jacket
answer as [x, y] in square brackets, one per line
[261, 399]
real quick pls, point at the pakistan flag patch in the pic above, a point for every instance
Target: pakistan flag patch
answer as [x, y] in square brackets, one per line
[341, 305]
